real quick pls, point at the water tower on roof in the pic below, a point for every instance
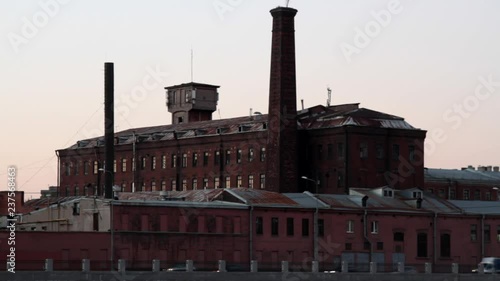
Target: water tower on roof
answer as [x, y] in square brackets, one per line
[191, 102]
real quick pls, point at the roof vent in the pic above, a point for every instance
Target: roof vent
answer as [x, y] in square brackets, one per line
[419, 203]
[364, 200]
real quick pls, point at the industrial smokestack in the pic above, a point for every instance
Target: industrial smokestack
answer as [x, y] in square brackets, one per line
[109, 131]
[282, 172]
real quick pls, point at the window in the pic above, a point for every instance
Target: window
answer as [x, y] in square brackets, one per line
[380, 246]
[487, 196]
[195, 159]
[124, 165]
[216, 182]
[477, 195]
[262, 181]
[498, 233]
[395, 151]
[399, 237]
[163, 161]
[67, 169]
[417, 194]
[262, 154]
[205, 183]
[173, 185]
[366, 245]
[205, 158]
[163, 185]
[411, 153]
[184, 184]
[77, 191]
[250, 181]
[217, 158]
[228, 157]
[340, 180]
[379, 151]
[363, 150]
[319, 152]
[195, 184]
[238, 156]
[374, 227]
[96, 167]
[259, 227]
[466, 194]
[441, 192]
[184, 160]
[445, 244]
[153, 186]
[305, 227]
[114, 166]
[350, 226]
[238, 181]
[274, 226]
[250, 154]
[228, 182]
[452, 194]
[76, 209]
[422, 245]
[329, 152]
[487, 233]
[348, 246]
[174, 161]
[289, 227]
[77, 168]
[340, 150]
[473, 232]
[387, 193]
[321, 227]
[143, 163]
[86, 168]
[153, 163]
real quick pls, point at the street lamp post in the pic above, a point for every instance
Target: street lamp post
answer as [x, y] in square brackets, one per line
[316, 183]
[316, 230]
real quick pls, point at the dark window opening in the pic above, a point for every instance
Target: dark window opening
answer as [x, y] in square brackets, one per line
[422, 245]
[274, 226]
[399, 237]
[445, 245]
[321, 228]
[259, 227]
[289, 227]
[305, 227]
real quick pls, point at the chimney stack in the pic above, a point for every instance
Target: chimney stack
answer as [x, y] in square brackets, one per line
[109, 131]
[282, 172]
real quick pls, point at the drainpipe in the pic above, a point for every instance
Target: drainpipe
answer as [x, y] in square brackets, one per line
[365, 233]
[482, 235]
[250, 229]
[316, 230]
[434, 235]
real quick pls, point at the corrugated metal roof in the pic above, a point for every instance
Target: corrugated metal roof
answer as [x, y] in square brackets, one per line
[462, 175]
[477, 207]
[262, 197]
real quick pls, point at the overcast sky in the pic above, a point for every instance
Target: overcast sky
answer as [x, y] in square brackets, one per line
[435, 63]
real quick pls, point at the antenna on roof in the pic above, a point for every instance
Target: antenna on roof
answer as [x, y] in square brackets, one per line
[329, 100]
[287, 2]
[218, 111]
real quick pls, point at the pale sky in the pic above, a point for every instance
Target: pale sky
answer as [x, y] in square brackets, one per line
[435, 63]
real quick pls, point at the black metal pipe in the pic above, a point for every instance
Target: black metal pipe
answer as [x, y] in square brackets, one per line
[109, 131]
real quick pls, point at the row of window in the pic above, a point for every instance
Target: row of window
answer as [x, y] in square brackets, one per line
[184, 185]
[363, 151]
[486, 233]
[466, 194]
[174, 161]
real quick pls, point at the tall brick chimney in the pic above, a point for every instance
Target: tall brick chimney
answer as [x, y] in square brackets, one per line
[281, 174]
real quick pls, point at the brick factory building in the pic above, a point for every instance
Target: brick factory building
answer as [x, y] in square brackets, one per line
[337, 146]
[242, 188]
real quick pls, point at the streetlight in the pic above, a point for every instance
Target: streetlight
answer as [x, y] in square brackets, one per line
[315, 218]
[316, 183]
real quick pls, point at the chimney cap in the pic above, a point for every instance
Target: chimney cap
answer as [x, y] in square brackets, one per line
[284, 10]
